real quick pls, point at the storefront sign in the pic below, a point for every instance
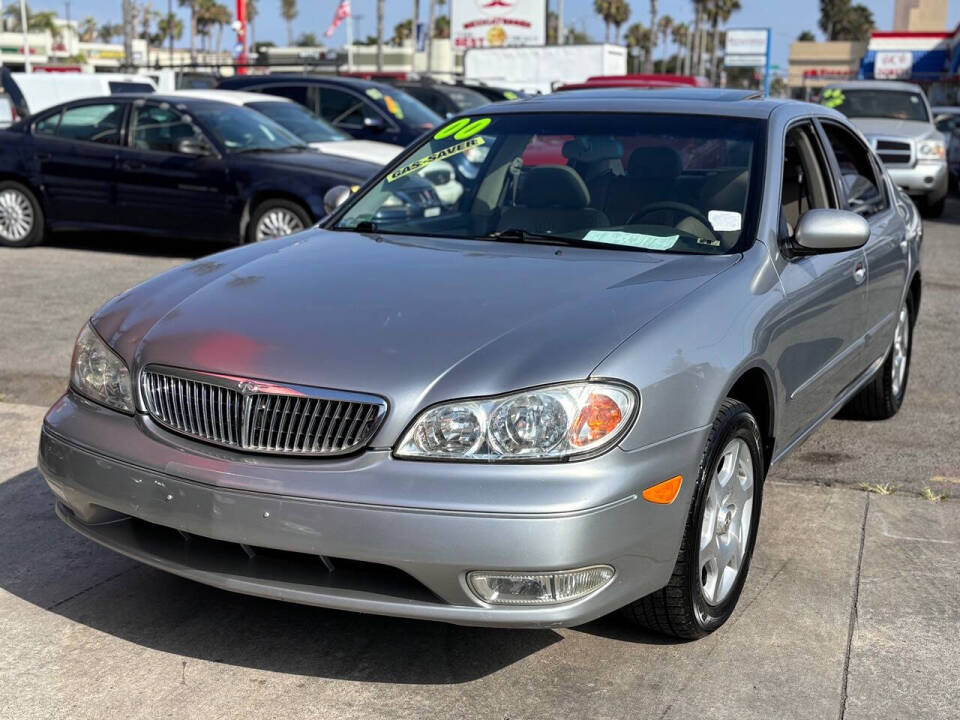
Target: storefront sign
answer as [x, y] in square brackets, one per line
[497, 23]
[893, 65]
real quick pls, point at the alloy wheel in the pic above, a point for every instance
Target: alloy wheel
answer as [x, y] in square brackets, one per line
[901, 344]
[725, 525]
[16, 215]
[277, 223]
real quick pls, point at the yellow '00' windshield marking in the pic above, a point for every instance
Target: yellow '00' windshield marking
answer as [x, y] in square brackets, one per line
[433, 157]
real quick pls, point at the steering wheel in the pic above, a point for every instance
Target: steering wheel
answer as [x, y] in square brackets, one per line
[677, 210]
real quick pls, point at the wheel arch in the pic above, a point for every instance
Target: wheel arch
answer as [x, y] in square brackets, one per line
[754, 388]
[260, 196]
[914, 291]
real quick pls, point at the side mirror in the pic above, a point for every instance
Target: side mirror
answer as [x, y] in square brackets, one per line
[374, 124]
[193, 146]
[335, 197]
[829, 230]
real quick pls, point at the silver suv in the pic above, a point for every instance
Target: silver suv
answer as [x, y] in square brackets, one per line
[896, 119]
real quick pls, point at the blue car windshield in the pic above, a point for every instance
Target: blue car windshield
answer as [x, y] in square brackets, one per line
[673, 183]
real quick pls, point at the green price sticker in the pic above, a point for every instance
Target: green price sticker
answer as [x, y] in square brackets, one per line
[832, 98]
[462, 129]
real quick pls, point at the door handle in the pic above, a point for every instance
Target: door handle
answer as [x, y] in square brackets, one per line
[42, 157]
[133, 165]
[859, 273]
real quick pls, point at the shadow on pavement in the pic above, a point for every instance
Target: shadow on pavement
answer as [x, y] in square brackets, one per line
[133, 244]
[45, 563]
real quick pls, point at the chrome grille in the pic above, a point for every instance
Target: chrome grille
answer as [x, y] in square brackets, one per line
[894, 152]
[258, 416]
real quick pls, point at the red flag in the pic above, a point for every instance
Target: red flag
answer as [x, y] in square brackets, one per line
[341, 14]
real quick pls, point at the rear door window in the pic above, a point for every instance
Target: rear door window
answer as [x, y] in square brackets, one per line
[92, 123]
[160, 129]
[344, 109]
[297, 93]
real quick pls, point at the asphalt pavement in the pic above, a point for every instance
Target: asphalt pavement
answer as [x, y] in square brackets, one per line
[850, 611]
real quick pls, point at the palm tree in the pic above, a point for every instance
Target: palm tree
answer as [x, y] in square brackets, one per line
[664, 26]
[402, 32]
[651, 38]
[147, 16]
[619, 14]
[307, 39]
[719, 11]
[696, 57]
[106, 32]
[637, 37]
[193, 5]
[681, 35]
[441, 27]
[88, 29]
[602, 8]
[170, 28]
[806, 36]
[251, 16]
[220, 15]
[36, 21]
[288, 9]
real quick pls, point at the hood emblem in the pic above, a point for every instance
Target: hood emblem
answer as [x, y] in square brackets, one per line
[248, 387]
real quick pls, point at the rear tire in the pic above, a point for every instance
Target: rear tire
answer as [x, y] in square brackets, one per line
[21, 217]
[714, 555]
[932, 210]
[276, 217]
[882, 397]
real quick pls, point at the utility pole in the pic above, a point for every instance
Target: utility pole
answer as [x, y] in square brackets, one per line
[170, 28]
[379, 35]
[26, 38]
[128, 32]
[414, 24]
[560, 33]
[429, 33]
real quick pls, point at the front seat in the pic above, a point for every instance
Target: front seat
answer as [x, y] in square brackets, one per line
[651, 177]
[552, 198]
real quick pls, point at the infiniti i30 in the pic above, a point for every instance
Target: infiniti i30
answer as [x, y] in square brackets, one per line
[555, 399]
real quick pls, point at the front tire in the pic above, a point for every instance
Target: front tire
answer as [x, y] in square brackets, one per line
[932, 210]
[21, 217]
[883, 395]
[276, 217]
[719, 536]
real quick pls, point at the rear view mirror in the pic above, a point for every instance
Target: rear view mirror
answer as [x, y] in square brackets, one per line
[193, 146]
[335, 197]
[830, 230]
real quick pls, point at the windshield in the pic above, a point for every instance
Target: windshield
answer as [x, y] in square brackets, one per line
[677, 183]
[242, 130]
[892, 104]
[404, 107]
[465, 99]
[306, 125]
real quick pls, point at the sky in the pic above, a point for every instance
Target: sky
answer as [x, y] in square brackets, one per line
[786, 18]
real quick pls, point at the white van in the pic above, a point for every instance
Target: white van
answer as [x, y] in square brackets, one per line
[33, 92]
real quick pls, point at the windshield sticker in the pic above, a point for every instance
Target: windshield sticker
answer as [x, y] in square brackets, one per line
[374, 93]
[462, 129]
[725, 220]
[393, 107]
[510, 95]
[832, 97]
[433, 157]
[640, 240]
[706, 241]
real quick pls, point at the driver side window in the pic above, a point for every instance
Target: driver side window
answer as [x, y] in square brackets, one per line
[859, 179]
[805, 183]
[160, 128]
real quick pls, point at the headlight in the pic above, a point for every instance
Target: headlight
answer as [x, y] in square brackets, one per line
[99, 374]
[548, 423]
[931, 150]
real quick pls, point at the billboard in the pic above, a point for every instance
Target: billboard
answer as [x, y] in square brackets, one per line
[893, 65]
[497, 23]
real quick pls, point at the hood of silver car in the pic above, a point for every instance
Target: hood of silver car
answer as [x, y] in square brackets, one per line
[411, 319]
[890, 127]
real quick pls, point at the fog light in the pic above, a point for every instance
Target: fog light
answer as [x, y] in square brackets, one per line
[499, 588]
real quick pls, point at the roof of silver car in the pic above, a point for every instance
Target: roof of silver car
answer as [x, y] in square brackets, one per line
[686, 101]
[876, 85]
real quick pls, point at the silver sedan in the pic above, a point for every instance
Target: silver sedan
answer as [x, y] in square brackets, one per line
[556, 398]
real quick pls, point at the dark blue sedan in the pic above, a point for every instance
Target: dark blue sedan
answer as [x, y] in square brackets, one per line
[167, 166]
[364, 109]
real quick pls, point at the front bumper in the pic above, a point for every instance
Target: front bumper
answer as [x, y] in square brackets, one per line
[219, 521]
[927, 179]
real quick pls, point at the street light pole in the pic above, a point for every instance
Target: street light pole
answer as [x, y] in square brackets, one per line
[379, 35]
[26, 39]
